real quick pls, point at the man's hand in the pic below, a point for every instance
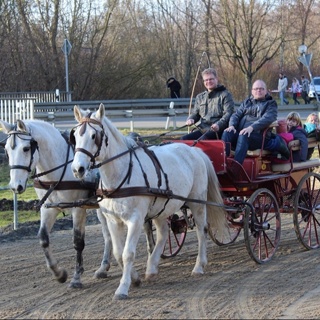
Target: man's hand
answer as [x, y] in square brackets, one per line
[231, 128]
[189, 122]
[246, 131]
[215, 127]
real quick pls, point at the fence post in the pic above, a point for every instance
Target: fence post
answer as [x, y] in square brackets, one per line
[171, 114]
[15, 211]
[129, 114]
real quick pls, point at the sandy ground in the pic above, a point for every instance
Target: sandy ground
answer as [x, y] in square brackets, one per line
[234, 286]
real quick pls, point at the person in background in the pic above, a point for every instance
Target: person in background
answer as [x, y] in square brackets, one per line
[175, 87]
[305, 90]
[311, 126]
[213, 108]
[295, 89]
[247, 124]
[282, 87]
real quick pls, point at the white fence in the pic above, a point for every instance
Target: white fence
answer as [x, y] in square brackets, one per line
[13, 109]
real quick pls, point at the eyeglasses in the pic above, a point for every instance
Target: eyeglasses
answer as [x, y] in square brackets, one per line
[256, 89]
[210, 79]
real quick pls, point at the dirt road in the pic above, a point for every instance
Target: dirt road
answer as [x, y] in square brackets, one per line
[234, 287]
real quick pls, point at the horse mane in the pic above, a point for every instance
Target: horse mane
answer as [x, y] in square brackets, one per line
[40, 130]
[117, 134]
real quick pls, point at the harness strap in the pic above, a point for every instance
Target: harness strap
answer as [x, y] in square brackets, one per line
[144, 191]
[64, 185]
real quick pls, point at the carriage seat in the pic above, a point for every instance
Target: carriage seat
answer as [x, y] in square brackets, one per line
[286, 167]
[294, 146]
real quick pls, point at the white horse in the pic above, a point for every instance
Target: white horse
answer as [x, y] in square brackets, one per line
[138, 183]
[34, 144]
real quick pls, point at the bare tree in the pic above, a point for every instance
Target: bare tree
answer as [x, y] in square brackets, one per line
[247, 34]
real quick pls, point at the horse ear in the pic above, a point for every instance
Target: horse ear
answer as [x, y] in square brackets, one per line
[77, 113]
[5, 126]
[21, 125]
[100, 112]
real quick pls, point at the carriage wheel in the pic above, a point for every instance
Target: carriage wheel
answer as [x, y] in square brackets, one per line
[178, 227]
[306, 215]
[262, 226]
[233, 232]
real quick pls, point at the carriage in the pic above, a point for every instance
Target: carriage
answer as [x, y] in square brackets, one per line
[271, 188]
[251, 196]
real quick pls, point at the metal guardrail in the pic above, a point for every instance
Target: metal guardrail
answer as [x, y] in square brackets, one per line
[114, 108]
[137, 108]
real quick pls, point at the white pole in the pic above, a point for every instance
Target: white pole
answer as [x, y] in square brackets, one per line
[15, 211]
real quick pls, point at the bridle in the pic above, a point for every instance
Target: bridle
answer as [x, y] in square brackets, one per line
[99, 135]
[33, 146]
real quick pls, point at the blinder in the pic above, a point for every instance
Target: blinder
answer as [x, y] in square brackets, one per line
[33, 148]
[83, 127]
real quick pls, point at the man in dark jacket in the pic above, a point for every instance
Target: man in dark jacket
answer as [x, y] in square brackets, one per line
[175, 87]
[246, 125]
[213, 108]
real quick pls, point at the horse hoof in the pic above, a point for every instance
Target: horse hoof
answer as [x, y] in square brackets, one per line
[75, 285]
[151, 277]
[120, 297]
[197, 274]
[136, 283]
[63, 276]
[100, 274]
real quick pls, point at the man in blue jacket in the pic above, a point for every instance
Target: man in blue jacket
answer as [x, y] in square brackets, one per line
[246, 125]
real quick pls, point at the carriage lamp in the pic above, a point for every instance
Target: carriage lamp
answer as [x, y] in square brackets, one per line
[303, 49]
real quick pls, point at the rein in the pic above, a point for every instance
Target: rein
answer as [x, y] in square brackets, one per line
[49, 186]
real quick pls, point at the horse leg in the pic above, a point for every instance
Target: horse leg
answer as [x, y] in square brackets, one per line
[79, 222]
[199, 214]
[125, 255]
[154, 259]
[105, 263]
[147, 226]
[48, 217]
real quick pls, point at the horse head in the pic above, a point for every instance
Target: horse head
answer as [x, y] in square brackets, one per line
[21, 151]
[89, 138]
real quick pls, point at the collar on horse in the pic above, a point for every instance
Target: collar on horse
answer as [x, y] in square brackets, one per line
[119, 191]
[37, 183]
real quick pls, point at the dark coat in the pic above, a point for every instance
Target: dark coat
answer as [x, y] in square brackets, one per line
[300, 134]
[212, 107]
[259, 114]
[174, 86]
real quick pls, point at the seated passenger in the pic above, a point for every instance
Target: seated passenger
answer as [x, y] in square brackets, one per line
[294, 125]
[247, 124]
[312, 124]
[312, 128]
[213, 108]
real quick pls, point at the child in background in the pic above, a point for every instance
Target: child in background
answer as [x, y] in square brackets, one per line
[311, 124]
[294, 125]
[312, 128]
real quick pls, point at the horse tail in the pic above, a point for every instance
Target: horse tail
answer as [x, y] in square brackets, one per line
[216, 215]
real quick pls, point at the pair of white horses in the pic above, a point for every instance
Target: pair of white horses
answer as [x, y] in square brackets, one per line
[136, 184]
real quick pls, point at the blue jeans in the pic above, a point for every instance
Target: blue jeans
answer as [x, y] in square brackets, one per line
[242, 143]
[283, 100]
